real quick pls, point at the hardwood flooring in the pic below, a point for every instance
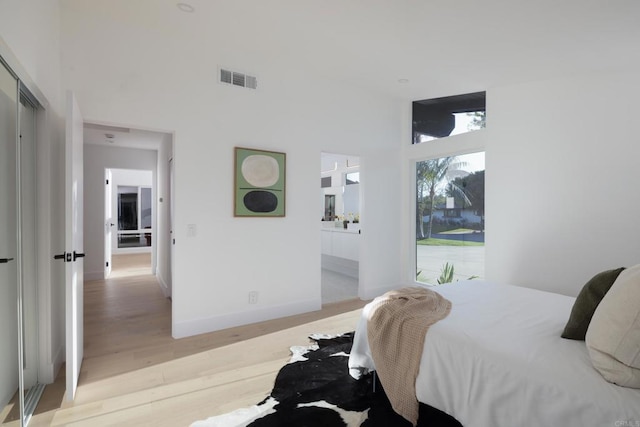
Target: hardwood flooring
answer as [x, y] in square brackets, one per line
[135, 373]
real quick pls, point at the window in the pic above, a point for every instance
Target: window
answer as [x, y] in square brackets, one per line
[451, 115]
[352, 178]
[134, 216]
[450, 218]
[329, 207]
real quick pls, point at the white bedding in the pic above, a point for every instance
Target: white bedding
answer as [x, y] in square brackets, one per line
[498, 360]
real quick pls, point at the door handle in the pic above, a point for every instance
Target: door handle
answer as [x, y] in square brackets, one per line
[5, 260]
[65, 256]
[77, 255]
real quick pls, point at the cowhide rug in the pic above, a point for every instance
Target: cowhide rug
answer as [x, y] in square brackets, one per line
[315, 390]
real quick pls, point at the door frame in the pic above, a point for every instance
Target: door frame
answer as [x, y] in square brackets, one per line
[108, 221]
[325, 236]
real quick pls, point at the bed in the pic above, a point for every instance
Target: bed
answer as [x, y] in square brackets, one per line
[498, 360]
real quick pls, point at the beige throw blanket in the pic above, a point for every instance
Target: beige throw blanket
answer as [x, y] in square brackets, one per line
[396, 330]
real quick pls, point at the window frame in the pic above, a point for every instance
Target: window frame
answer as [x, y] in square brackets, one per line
[454, 145]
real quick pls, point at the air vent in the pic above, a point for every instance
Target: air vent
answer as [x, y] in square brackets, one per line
[251, 82]
[225, 76]
[238, 79]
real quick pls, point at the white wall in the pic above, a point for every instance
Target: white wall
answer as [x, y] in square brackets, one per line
[381, 254]
[562, 165]
[31, 32]
[150, 79]
[132, 177]
[30, 43]
[97, 158]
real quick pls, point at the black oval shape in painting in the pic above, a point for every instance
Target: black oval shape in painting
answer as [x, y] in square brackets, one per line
[260, 201]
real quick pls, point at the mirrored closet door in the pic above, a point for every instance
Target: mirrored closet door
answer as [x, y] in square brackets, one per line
[19, 387]
[8, 238]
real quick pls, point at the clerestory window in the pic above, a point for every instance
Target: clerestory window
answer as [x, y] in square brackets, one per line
[451, 115]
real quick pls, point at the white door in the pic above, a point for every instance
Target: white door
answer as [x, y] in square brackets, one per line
[73, 243]
[9, 365]
[108, 221]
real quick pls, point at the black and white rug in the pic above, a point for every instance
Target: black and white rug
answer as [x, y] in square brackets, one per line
[315, 390]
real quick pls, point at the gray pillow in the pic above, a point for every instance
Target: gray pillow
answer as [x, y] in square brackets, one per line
[587, 302]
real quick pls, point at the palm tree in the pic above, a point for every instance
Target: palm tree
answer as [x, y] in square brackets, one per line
[429, 174]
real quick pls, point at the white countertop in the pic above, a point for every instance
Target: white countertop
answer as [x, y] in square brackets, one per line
[329, 226]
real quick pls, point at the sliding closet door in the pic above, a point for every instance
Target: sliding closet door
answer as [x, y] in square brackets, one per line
[28, 245]
[8, 237]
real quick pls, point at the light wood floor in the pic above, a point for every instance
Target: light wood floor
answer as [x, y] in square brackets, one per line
[134, 373]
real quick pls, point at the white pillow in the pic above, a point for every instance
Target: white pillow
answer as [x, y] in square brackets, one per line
[613, 336]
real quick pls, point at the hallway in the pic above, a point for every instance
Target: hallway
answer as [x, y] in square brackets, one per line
[127, 320]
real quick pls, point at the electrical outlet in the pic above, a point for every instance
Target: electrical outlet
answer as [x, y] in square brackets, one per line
[253, 297]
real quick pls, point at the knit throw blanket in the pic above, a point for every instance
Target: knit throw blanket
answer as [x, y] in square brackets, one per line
[396, 329]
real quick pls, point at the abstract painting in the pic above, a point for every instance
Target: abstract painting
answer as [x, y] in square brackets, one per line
[259, 183]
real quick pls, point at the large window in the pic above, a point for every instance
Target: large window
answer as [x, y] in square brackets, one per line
[450, 218]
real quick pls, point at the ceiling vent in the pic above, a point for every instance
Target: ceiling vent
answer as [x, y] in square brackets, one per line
[238, 79]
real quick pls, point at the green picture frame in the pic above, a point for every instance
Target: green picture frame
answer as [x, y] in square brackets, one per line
[259, 183]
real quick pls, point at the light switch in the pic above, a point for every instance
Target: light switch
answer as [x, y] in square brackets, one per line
[191, 230]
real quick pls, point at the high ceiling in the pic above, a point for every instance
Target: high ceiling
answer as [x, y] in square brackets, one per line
[411, 49]
[442, 47]
[407, 49]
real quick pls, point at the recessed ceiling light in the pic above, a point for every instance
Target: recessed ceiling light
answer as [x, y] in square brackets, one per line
[403, 81]
[185, 7]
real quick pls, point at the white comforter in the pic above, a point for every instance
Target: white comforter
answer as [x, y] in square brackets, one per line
[498, 360]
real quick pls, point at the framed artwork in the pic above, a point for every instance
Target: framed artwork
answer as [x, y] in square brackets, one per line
[259, 185]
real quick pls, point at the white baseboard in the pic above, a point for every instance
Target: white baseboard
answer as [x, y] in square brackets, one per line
[93, 275]
[215, 323]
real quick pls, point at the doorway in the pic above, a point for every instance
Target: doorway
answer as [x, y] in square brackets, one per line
[128, 200]
[340, 211]
[131, 227]
[130, 234]
[127, 169]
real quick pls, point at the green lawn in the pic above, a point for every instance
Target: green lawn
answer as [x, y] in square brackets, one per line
[446, 242]
[457, 231]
